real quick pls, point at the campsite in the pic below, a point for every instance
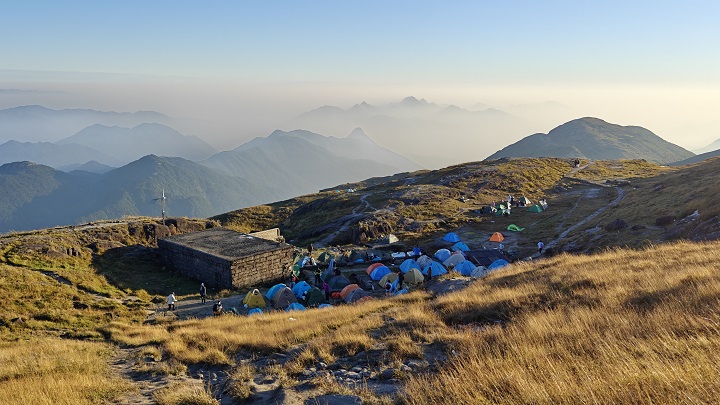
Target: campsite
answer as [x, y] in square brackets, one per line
[477, 296]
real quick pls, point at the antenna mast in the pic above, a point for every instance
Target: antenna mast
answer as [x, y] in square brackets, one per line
[163, 205]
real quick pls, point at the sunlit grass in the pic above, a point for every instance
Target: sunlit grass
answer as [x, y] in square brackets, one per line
[53, 371]
[619, 327]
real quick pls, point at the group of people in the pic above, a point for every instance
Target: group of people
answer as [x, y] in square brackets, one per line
[217, 306]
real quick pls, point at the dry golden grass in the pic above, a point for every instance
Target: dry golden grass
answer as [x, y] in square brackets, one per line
[135, 335]
[53, 371]
[216, 340]
[185, 394]
[619, 327]
[239, 385]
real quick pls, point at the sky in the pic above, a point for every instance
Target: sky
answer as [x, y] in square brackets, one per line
[239, 69]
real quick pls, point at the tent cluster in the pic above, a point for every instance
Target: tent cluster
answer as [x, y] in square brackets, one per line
[353, 293]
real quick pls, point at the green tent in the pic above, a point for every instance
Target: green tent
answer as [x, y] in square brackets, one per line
[314, 297]
[535, 208]
[514, 228]
[324, 257]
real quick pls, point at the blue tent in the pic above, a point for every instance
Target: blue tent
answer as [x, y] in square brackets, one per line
[295, 306]
[409, 264]
[437, 269]
[442, 254]
[325, 306]
[379, 272]
[255, 311]
[403, 291]
[497, 264]
[451, 237]
[271, 292]
[300, 288]
[460, 246]
[464, 267]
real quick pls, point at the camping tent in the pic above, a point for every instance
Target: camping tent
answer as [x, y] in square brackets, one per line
[301, 288]
[271, 292]
[423, 261]
[355, 295]
[437, 269]
[324, 257]
[283, 298]
[460, 246]
[536, 208]
[414, 277]
[451, 237]
[337, 283]
[345, 291]
[255, 311]
[497, 237]
[372, 267]
[479, 271]
[497, 264]
[327, 274]
[379, 273]
[314, 297]
[253, 299]
[465, 268]
[442, 254]
[295, 306]
[454, 259]
[515, 228]
[409, 264]
[391, 277]
[388, 240]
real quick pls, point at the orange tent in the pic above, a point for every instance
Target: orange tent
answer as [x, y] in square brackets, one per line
[345, 291]
[373, 267]
[497, 237]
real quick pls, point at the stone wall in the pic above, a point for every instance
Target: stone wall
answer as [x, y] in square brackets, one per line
[211, 270]
[220, 273]
[262, 268]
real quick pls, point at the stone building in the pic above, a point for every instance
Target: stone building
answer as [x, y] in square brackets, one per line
[223, 258]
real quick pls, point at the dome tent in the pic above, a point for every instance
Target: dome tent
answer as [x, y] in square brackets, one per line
[423, 261]
[283, 298]
[379, 273]
[414, 277]
[345, 291]
[337, 283]
[437, 269]
[271, 292]
[409, 264]
[451, 237]
[314, 297]
[300, 288]
[442, 254]
[497, 237]
[497, 264]
[460, 246]
[465, 268]
[253, 299]
[454, 259]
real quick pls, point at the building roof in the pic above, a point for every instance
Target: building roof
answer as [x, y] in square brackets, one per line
[225, 243]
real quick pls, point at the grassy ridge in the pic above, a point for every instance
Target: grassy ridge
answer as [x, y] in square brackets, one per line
[618, 327]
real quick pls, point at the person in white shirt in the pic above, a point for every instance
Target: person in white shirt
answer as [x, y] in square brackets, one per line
[171, 300]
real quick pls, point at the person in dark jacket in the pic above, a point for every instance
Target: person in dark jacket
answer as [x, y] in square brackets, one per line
[203, 292]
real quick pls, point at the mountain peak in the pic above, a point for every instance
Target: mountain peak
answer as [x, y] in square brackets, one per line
[359, 134]
[411, 101]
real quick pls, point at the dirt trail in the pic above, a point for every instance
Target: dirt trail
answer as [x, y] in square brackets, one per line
[591, 193]
[357, 212]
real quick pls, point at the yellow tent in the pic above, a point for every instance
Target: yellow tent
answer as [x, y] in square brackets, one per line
[254, 299]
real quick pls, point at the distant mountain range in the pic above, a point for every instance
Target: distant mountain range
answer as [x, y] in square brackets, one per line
[111, 146]
[34, 123]
[299, 162]
[596, 139]
[710, 148]
[38, 196]
[432, 135]
[280, 166]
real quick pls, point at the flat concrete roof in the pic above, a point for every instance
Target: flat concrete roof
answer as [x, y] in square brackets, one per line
[225, 243]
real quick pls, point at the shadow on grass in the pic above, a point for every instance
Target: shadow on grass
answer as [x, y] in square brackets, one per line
[139, 267]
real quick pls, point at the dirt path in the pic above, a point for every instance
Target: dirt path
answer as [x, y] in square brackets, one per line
[347, 220]
[591, 193]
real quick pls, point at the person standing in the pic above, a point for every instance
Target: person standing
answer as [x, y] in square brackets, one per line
[416, 251]
[540, 247]
[310, 249]
[318, 280]
[171, 300]
[326, 290]
[203, 292]
[401, 279]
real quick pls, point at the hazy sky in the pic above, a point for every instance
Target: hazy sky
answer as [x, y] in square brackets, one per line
[241, 68]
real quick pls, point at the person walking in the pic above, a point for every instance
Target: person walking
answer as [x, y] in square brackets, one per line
[541, 246]
[203, 292]
[171, 300]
